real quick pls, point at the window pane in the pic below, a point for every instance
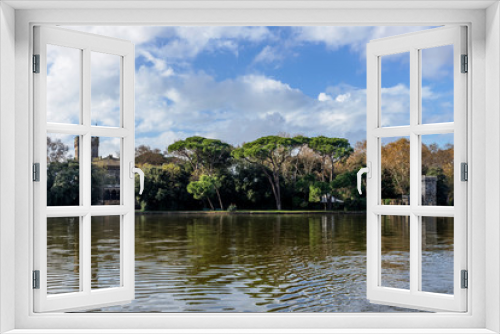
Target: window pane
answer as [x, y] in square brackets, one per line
[63, 84]
[106, 171]
[105, 69]
[437, 84]
[395, 264]
[437, 254]
[105, 234]
[63, 255]
[437, 169]
[395, 169]
[63, 170]
[395, 90]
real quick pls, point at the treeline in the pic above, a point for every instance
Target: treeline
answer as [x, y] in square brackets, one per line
[274, 172]
[63, 177]
[436, 161]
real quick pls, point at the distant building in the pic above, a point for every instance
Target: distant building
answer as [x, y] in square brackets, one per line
[329, 198]
[429, 190]
[94, 141]
[107, 192]
[429, 193]
[405, 199]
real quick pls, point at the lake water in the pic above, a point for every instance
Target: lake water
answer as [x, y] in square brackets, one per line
[251, 263]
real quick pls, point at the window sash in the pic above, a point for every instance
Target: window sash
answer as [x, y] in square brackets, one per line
[87, 297]
[413, 43]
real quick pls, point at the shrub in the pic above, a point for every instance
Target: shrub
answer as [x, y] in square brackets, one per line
[231, 208]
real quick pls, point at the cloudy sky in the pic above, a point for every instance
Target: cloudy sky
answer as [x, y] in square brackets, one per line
[241, 83]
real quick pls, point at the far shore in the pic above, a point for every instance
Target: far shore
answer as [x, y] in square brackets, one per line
[251, 212]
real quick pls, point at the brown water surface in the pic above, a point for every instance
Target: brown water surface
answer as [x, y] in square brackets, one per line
[251, 263]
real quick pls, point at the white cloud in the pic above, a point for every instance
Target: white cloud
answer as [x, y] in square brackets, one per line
[105, 89]
[324, 97]
[354, 37]
[242, 109]
[428, 94]
[159, 64]
[174, 104]
[264, 84]
[109, 146]
[188, 42]
[268, 54]
[160, 141]
[63, 85]
[182, 42]
[343, 97]
[136, 34]
[395, 105]
[437, 63]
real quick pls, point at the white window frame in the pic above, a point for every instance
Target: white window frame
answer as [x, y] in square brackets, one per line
[483, 211]
[413, 43]
[86, 297]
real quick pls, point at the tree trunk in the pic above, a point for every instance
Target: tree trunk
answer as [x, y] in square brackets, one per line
[211, 205]
[331, 171]
[323, 167]
[278, 192]
[273, 187]
[220, 199]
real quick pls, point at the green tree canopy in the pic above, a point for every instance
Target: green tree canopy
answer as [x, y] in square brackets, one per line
[57, 151]
[203, 188]
[205, 156]
[144, 154]
[333, 149]
[270, 153]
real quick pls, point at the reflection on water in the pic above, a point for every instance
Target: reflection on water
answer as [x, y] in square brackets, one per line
[63, 255]
[105, 252]
[263, 263]
[395, 252]
[437, 254]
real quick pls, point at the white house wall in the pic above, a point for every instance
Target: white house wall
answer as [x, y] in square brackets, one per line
[492, 164]
[7, 167]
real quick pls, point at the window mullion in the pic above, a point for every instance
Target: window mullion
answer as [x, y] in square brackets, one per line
[86, 87]
[86, 170]
[414, 169]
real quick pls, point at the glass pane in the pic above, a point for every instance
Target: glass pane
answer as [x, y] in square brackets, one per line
[395, 264]
[63, 84]
[63, 170]
[105, 91]
[437, 169]
[105, 250]
[63, 255]
[395, 90]
[106, 171]
[437, 254]
[395, 169]
[437, 84]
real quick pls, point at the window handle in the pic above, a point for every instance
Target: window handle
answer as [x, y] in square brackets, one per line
[368, 171]
[134, 170]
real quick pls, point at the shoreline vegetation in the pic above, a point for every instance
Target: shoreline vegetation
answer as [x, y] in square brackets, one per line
[252, 212]
[270, 174]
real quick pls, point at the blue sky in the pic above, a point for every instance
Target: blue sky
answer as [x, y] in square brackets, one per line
[240, 83]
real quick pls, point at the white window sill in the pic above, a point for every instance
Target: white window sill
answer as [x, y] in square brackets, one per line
[251, 331]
